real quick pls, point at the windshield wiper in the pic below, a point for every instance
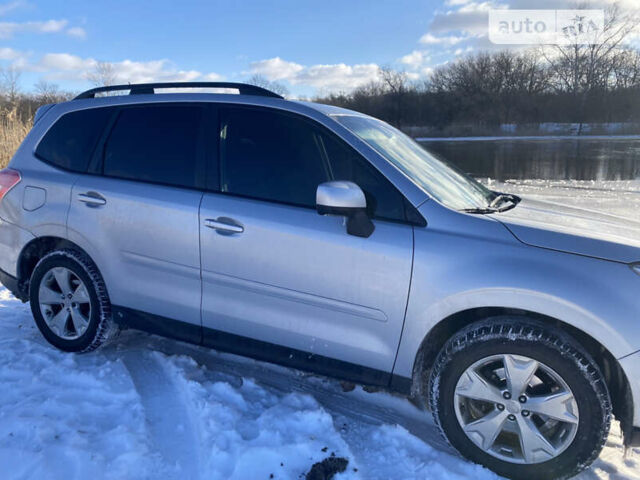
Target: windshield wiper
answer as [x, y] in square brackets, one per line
[481, 211]
[512, 200]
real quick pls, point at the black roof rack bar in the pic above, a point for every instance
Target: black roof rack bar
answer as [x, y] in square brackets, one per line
[146, 88]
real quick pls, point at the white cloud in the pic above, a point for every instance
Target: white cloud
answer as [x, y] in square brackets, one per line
[50, 26]
[9, 29]
[473, 7]
[275, 69]
[462, 51]
[415, 59]
[10, 6]
[65, 66]
[7, 53]
[429, 39]
[332, 77]
[337, 77]
[77, 32]
[65, 62]
[212, 77]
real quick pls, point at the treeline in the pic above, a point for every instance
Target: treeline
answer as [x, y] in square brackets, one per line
[567, 85]
[18, 108]
[16, 105]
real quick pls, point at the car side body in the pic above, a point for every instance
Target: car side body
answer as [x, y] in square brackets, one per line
[294, 288]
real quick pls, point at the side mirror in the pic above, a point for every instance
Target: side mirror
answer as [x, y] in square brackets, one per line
[345, 199]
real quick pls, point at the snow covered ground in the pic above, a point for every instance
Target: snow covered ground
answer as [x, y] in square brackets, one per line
[150, 408]
[618, 197]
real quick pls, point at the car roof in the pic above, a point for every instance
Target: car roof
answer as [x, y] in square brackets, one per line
[309, 109]
[178, 92]
[243, 89]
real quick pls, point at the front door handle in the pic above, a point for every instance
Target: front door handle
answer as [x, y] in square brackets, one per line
[92, 199]
[224, 225]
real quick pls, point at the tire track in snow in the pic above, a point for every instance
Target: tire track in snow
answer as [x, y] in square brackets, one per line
[358, 409]
[170, 425]
[371, 409]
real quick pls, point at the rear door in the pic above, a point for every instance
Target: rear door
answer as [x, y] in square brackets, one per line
[137, 212]
[291, 280]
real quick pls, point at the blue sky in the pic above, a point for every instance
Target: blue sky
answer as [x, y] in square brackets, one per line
[313, 47]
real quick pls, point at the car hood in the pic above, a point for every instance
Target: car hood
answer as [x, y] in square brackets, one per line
[573, 230]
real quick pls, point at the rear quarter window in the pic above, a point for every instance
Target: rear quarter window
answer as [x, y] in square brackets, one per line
[70, 142]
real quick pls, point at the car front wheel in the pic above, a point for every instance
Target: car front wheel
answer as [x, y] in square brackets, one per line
[523, 399]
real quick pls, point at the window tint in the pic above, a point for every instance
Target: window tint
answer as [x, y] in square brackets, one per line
[159, 143]
[271, 156]
[70, 142]
[383, 200]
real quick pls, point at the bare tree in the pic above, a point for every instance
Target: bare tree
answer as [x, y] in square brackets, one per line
[395, 85]
[626, 69]
[9, 84]
[102, 75]
[583, 68]
[261, 81]
[47, 92]
[393, 80]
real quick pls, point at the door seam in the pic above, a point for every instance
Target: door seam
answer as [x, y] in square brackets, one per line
[406, 308]
[200, 257]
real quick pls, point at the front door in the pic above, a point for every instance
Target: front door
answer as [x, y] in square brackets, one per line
[277, 272]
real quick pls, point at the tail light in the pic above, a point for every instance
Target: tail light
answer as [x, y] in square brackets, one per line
[9, 178]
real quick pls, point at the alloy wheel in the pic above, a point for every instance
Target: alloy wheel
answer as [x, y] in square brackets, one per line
[64, 303]
[516, 409]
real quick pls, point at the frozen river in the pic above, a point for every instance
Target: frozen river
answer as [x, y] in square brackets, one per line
[547, 158]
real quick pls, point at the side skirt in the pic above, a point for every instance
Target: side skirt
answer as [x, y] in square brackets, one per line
[269, 352]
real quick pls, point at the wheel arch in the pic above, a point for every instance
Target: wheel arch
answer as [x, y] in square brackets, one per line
[31, 254]
[616, 380]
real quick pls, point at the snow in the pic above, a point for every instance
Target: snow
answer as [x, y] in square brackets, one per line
[147, 408]
[615, 197]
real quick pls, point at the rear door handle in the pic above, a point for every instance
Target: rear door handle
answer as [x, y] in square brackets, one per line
[224, 225]
[92, 199]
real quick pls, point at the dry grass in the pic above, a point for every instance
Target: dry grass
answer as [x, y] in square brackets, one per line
[12, 131]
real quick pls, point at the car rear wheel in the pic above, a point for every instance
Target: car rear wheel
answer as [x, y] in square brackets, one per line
[69, 302]
[521, 398]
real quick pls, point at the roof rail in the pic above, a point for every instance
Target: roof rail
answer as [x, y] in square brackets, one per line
[149, 88]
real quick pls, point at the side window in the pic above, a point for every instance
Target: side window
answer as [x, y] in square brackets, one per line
[269, 155]
[157, 143]
[70, 142]
[383, 200]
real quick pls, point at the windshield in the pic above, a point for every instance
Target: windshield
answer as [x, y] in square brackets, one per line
[443, 182]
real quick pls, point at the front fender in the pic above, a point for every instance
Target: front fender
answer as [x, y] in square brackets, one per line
[456, 271]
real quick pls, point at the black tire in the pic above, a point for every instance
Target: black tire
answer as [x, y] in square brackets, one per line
[101, 327]
[558, 351]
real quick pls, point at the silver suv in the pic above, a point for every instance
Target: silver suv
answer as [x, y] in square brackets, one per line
[326, 240]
